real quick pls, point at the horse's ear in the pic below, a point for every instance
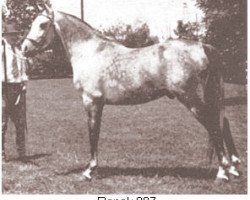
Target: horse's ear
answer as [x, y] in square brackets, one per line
[49, 10]
[39, 8]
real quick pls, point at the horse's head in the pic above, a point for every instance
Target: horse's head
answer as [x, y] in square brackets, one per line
[41, 34]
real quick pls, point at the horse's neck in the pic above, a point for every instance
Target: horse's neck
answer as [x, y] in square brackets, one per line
[79, 40]
[70, 32]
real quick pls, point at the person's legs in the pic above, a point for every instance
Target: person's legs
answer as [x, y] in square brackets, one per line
[18, 116]
[5, 117]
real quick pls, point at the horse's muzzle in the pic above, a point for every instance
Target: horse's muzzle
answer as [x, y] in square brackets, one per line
[28, 50]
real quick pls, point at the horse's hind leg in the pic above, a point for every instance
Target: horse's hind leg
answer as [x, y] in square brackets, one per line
[94, 109]
[209, 116]
[234, 157]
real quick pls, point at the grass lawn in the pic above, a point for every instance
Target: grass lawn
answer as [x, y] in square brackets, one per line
[156, 148]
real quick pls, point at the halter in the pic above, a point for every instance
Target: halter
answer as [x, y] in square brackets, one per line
[43, 38]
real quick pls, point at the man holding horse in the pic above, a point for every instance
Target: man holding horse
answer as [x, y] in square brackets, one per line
[13, 86]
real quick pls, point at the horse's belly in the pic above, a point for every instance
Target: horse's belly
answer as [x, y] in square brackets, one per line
[139, 95]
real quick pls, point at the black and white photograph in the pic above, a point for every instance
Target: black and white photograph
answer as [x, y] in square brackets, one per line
[113, 97]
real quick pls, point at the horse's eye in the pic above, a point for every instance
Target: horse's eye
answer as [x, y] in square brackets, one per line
[43, 25]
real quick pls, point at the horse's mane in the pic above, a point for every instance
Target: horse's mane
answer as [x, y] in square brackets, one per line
[58, 45]
[90, 28]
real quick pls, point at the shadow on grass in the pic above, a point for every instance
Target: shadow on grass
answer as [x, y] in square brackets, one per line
[29, 159]
[150, 172]
[233, 101]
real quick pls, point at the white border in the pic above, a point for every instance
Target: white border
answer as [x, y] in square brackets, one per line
[133, 197]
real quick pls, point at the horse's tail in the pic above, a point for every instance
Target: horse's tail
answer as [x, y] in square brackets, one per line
[214, 92]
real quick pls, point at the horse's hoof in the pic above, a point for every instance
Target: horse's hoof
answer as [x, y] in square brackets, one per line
[222, 175]
[233, 171]
[85, 178]
[86, 175]
[235, 160]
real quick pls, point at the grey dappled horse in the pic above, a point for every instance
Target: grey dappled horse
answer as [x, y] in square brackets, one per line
[106, 72]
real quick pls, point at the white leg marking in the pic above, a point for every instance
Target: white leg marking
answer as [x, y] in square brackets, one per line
[93, 163]
[225, 161]
[86, 173]
[235, 159]
[222, 174]
[232, 170]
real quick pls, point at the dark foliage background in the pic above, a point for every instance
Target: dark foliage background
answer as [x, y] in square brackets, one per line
[226, 23]
[189, 30]
[132, 37]
[23, 12]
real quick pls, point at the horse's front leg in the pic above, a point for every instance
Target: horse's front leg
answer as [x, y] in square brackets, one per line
[94, 109]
